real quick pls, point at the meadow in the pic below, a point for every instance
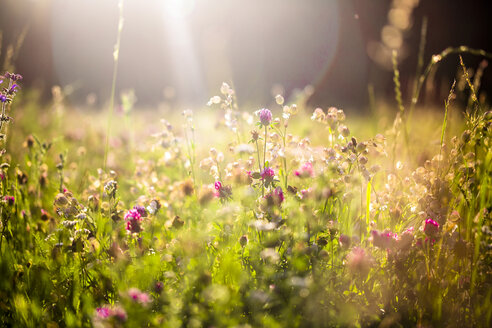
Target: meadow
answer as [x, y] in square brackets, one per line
[227, 217]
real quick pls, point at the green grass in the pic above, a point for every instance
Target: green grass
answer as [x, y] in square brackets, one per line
[325, 255]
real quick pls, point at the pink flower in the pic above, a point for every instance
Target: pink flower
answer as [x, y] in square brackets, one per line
[133, 214]
[133, 220]
[276, 197]
[223, 192]
[406, 238]
[267, 174]
[306, 193]
[265, 116]
[137, 296]
[9, 200]
[103, 312]
[358, 261]
[385, 239]
[305, 171]
[431, 227]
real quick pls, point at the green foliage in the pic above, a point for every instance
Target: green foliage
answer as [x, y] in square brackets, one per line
[342, 234]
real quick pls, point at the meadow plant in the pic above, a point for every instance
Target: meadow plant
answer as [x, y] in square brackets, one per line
[307, 225]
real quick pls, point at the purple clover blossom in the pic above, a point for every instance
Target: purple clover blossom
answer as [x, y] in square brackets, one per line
[276, 197]
[267, 174]
[133, 219]
[265, 116]
[431, 227]
[305, 171]
[141, 210]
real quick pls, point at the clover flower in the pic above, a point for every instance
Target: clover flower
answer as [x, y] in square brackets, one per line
[103, 312]
[9, 200]
[384, 240]
[358, 261]
[139, 297]
[141, 210]
[265, 116]
[223, 192]
[276, 197]
[431, 227]
[305, 171]
[267, 174]
[133, 220]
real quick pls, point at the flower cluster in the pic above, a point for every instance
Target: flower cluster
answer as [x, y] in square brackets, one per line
[133, 220]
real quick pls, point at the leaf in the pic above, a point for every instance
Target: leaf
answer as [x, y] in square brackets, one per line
[256, 175]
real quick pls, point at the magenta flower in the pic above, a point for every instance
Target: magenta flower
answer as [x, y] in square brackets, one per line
[223, 192]
[103, 312]
[267, 174]
[9, 200]
[431, 227]
[133, 214]
[141, 210]
[276, 197]
[133, 220]
[385, 239]
[265, 116]
[305, 171]
[137, 296]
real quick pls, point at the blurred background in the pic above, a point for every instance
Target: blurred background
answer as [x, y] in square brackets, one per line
[180, 51]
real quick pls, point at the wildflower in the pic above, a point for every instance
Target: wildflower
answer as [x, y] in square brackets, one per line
[141, 210]
[243, 240]
[9, 200]
[103, 312]
[344, 241]
[223, 192]
[358, 261]
[431, 227]
[12, 89]
[385, 239]
[133, 219]
[254, 135]
[137, 296]
[306, 193]
[406, 238]
[110, 188]
[3, 98]
[61, 200]
[12, 76]
[265, 116]
[45, 216]
[267, 174]
[158, 287]
[305, 171]
[154, 206]
[276, 197]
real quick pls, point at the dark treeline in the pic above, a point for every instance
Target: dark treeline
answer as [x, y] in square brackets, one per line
[268, 42]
